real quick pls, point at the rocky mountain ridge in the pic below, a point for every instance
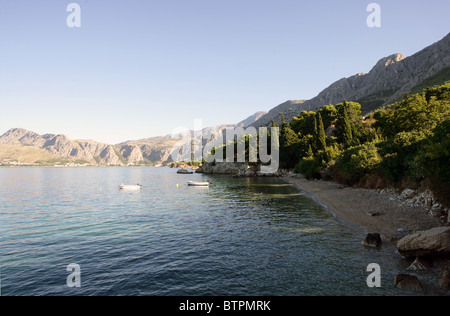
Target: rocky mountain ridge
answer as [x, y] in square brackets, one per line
[388, 80]
[156, 150]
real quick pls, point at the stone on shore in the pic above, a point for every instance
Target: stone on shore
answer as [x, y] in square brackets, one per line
[433, 242]
[184, 171]
[238, 169]
[223, 168]
[372, 240]
[445, 280]
[408, 282]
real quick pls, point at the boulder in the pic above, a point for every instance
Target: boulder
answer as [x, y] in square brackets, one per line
[445, 280]
[427, 198]
[433, 242]
[408, 282]
[184, 171]
[372, 240]
[224, 168]
[408, 194]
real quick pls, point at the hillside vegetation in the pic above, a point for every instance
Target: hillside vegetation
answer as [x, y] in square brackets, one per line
[404, 144]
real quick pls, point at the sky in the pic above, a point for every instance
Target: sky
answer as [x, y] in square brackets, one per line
[141, 68]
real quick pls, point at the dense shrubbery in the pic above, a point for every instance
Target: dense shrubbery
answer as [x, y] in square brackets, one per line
[357, 162]
[407, 140]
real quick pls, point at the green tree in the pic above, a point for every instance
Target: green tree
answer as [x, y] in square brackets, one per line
[289, 155]
[321, 137]
[329, 115]
[304, 123]
[347, 133]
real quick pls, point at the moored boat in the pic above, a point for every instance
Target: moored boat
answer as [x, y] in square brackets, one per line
[127, 187]
[198, 184]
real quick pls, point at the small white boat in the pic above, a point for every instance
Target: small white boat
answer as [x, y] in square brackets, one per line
[127, 187]
[198, 184]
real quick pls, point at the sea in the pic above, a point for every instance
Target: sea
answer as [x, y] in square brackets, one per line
[71, 231]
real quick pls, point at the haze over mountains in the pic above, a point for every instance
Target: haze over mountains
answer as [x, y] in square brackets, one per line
[388, 80]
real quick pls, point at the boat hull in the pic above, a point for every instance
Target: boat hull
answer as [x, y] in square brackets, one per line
[198, 184]
[130, 187]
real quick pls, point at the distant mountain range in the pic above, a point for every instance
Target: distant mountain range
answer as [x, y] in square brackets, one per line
[388, 80]
[20, 146]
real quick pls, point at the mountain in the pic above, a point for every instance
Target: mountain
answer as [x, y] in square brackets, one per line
[388, 80]
[20, 146]
[160, 149]
[59, 147]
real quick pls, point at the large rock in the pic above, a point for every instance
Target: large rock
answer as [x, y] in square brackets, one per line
[445, 280]
[433, 242]
[372, 240]
[184, 171]
[224, 168]
[408, 282]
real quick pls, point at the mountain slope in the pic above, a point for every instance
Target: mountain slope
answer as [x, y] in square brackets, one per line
[388, 80]
[25, 147]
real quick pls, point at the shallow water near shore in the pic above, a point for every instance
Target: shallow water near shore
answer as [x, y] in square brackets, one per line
[252, 237]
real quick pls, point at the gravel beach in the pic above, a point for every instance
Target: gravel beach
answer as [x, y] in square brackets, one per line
[371, 210]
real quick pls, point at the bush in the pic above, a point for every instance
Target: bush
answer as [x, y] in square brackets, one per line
[436, 154]
[357, 162]
[400, 156]
[311, 165]
[308, 167]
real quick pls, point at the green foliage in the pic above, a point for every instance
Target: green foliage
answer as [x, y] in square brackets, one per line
[376, 100]
[347, 131]
[308, 167]
[435, 158]
[357, 162]
[321, 140]
[400, 156]
[289, 153]
[419, 112]
[329, 113]
[304, 123]
[406, 141]
[349, 124]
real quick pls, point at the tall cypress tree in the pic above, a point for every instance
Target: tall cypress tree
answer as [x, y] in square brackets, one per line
[321, 137]
[288, 145]
[347, 132]
[315, 136]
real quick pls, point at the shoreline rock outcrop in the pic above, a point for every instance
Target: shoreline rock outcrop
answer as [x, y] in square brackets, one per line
[431, 243]
[372, 240]
[408, 282]
[237, 170]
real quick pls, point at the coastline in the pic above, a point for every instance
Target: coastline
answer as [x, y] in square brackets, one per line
[367, 209]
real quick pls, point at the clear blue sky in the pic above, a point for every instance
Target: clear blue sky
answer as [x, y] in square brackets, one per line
[140, 68]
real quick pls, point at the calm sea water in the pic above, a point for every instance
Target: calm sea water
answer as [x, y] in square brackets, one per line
[250, 237]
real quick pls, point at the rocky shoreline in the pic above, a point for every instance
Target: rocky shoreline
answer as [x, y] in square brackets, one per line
[415, 222]
[237, 170]
[412, 221]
